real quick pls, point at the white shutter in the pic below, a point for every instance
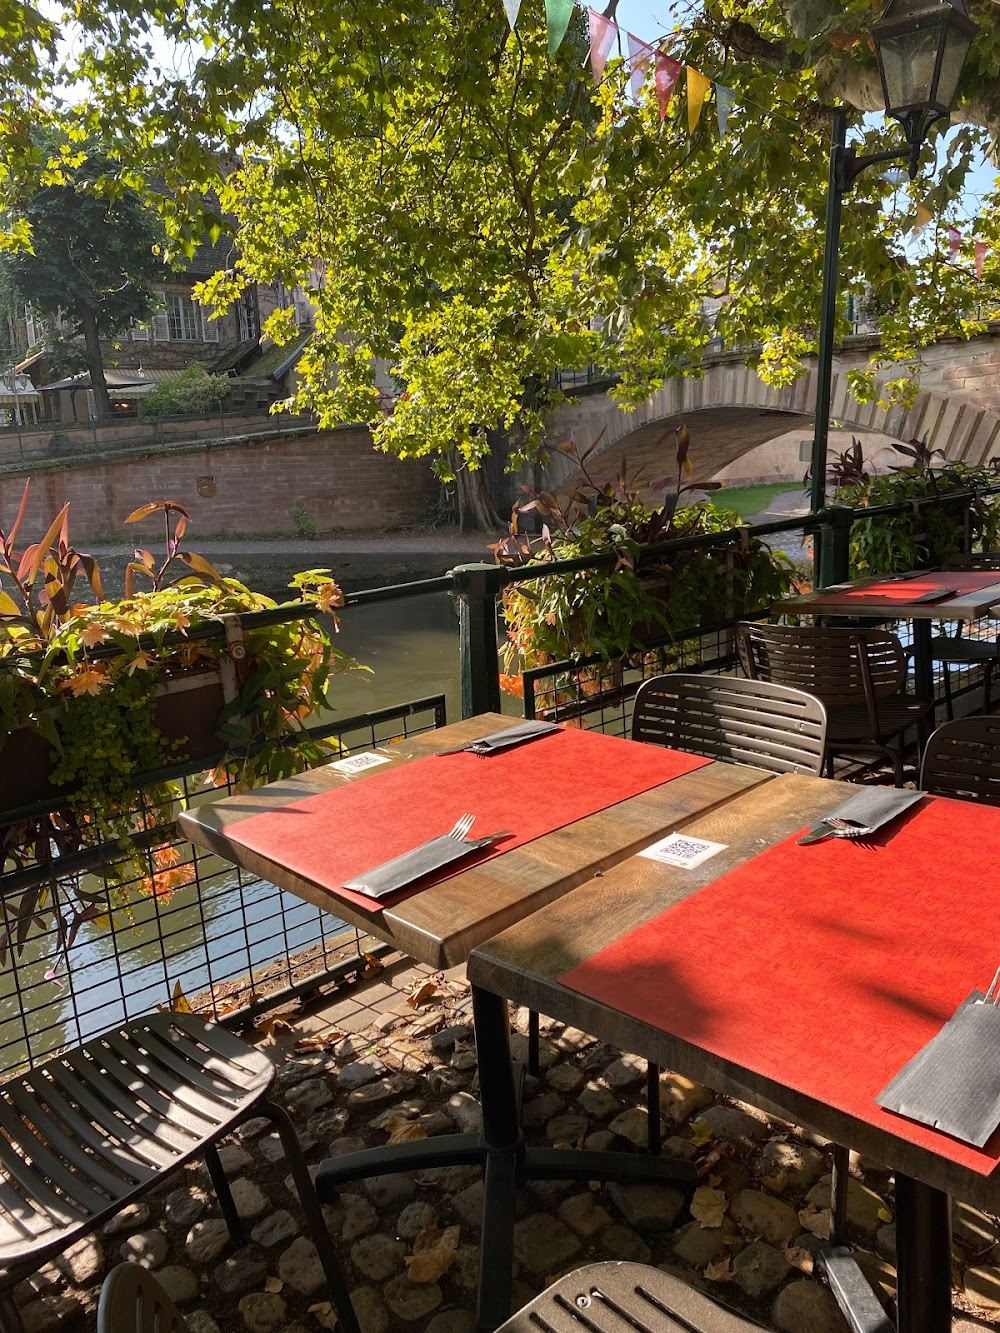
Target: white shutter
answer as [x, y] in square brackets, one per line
[161, 327]
[29, 325]
[139, 333]
[209, 326]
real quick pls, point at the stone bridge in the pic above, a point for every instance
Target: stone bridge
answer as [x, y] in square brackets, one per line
[743, 431]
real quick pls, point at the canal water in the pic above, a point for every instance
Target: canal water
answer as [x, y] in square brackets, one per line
[412, 648]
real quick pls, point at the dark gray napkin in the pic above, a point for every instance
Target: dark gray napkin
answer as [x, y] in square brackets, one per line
[953, 1083]
[404, 870]
[875, 806]
[517, 735]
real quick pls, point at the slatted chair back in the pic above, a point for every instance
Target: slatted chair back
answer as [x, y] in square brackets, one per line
[976, 560]
[132, 1301]
[963, 759]
[838, 666]
[738, 721]
[625, 1298]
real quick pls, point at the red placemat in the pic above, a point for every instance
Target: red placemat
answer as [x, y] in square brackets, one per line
[826, 968]
[531, 789]
[905, 590]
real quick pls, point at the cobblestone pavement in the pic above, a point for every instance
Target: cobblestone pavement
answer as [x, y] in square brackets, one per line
[393, 1057]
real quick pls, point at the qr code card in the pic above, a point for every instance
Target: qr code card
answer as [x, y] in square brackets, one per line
[357, 763]
[679, 850]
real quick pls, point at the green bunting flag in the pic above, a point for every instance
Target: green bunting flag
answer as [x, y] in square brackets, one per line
[725, 99]
[557, 16]
[512, 7]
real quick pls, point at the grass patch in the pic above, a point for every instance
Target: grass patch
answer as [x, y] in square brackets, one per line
[750, 500]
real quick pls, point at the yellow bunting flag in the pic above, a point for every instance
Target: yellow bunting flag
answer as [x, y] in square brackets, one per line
[924, 215]
[697, 86]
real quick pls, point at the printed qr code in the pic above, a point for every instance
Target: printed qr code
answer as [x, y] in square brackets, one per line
[367, 761]
[685, 848]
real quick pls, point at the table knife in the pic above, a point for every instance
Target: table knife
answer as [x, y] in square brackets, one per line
[816, 834]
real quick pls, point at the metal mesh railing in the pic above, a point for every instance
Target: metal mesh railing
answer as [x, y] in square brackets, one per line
[198, 928]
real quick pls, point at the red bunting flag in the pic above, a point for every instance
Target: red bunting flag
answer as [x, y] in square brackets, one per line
[954, 241]
[640, 55]
[603, 32]
[668, 71]
[982, 250]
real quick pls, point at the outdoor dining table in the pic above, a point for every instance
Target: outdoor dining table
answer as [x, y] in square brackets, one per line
[970, 595]
[576, 804]
[796, 978]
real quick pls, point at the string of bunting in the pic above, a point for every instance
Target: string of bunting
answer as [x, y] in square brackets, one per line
[643, 56]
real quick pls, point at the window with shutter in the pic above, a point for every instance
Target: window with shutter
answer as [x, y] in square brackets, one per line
[210, 326]
[161, 327]
[30, 327]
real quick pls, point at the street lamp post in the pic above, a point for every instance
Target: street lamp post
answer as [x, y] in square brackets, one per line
[921, 46]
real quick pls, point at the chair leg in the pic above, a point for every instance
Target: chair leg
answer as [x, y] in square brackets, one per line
[987, 686]
[223, 1193]
[315, 1221]
[838, 1194]
[949, 700]
[534, 1045]
[653, 1109]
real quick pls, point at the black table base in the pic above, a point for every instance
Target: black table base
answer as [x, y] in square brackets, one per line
[505, 1159]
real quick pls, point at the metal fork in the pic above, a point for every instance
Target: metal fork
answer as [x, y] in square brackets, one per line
[845, 828]
[462, 827]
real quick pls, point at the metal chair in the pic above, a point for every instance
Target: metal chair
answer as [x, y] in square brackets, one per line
[963, 759]
[958, 649]
[858, 674]
[132, 1301]
[619, 1298]
[101, 1124]
[738, 721]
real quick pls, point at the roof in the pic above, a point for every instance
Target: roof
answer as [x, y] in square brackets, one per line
[276, 361]
[137, 381]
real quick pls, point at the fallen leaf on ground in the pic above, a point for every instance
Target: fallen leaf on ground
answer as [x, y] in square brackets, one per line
[433, 1254]
[799, 1257]
[777, 1183]
[326, 1315]
[270, 1027]
[423, 990]
[720, 1271]
[709, 1206]
[273, 1285]
[179, 1003]
[816, 1220]
[372, 965]
[402, 1130]
[317, 1043]
[884, 1215]
[701, 1132]
[711, 1159]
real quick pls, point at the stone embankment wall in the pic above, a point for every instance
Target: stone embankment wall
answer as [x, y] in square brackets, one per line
[333, 479]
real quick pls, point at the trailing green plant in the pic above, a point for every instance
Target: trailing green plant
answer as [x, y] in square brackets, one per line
[920, 537]
[192, 390]
[84, 679]
[615, 610]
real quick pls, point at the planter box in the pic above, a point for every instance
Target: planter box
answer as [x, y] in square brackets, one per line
[187, 710]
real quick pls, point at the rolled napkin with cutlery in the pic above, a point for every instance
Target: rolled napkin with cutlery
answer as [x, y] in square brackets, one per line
[864, 813]
[402, 871]
[497, 741]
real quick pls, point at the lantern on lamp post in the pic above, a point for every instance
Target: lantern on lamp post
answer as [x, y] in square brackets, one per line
[921, 48]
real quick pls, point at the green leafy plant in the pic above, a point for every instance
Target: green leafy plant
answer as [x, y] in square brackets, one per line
[614, 611]
[82, 691]
[926, 536]
[192, 390]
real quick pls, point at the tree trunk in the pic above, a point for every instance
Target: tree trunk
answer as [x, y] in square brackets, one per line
[95, 360]
[477, 510]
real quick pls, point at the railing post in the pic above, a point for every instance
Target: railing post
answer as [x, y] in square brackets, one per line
[478, 587]
[834, 563]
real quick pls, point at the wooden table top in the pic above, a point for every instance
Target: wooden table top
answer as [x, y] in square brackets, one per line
[965, 606]
[440, 925]
[525, 962]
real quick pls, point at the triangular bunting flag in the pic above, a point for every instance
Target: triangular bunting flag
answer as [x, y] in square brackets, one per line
[982, 250]
[954, 241]
[603, 32]
[698, 86]
[557, 16]
[512, 7]
[668, 71]
[640, 55]
[924, 216]
[725, 100]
